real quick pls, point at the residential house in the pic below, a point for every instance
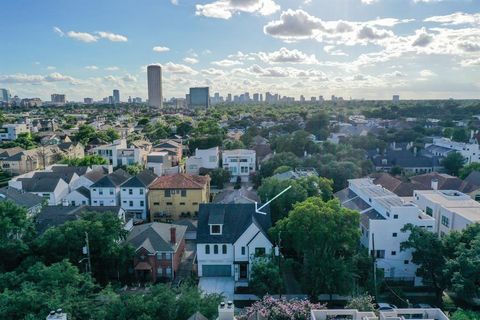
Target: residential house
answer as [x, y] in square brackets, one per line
[31, 202]
[296, 174]
[158, 250]
[203, 158]
[106, 191]
[451, 209]
[240, 162]
[382, 216]
[229, 237]
[473, 179]
[242, 195]
[159, 162]
[118, 154]
[78, 197]
[443, 146]
[134, 194]
[177, 196]
[11, 131]
[411, 162]
[174, 147]
[52, 188]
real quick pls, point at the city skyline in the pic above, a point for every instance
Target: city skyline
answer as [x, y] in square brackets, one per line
[419, 49]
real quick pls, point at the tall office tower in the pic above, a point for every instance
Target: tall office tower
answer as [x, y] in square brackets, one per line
[302, 99]
[396, 98]
[256, 97]
[5, 95]
[58, 98]
[154, 75]
[229, 98]
[199, 97]
[261, 97]
[116, 96]
[87, 100]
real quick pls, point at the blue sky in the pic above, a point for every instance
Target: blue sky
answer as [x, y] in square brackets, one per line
[351, 48]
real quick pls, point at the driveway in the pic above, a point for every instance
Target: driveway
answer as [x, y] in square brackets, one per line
[223, 285]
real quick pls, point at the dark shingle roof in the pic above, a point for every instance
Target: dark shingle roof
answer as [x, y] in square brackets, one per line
[84, 191]
[155, 236]
[473, 178]
[114, 179]
[405, 159]
[143, 179]
[40, 184]
[236, 196]
[80, 170]
[236, 219]
[24, 199]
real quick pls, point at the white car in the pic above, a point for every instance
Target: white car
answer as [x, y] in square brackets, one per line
[386, 306]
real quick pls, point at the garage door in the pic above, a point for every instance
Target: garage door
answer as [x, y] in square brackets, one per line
[217, 270]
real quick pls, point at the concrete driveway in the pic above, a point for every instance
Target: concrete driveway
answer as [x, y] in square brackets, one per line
[223, 285]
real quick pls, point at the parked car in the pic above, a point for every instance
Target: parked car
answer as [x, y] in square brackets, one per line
[381, 306]
[422, 306]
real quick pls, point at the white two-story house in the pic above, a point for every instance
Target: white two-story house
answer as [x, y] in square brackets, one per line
[134, 192]
[106, 191]
[203, 158]
[240, 162]
[229, 236]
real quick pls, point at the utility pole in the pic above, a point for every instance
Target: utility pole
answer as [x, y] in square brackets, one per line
[374, 254]
[88, 253]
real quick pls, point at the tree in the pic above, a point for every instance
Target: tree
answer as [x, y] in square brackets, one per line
[266, 277]
[460, 134]
[134, 169]
[322, 252]
[469, 168]
[88, 160]
[465, 315]
[318, 125]
[278, 160]
[219, 177]
[453, 162]
[85, 134]
[16, 231]
[430, 266]
[111, 135]
[105, 231]
[361, 303]
[270, 308]
[233, 144]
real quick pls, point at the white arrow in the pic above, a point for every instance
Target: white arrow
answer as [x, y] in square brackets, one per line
[265, 204]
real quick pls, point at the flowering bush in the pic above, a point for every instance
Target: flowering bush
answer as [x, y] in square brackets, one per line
[270, 308]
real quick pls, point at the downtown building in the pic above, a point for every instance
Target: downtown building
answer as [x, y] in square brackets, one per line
[154, 79]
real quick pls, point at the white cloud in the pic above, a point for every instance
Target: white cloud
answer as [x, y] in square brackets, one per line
[225, 9]
[82, 36]
[174, 2]
[226, 63]
[190, 60]
[51, 67]
[179, 69]
[112, 36]
[369, 1]
[475, 62]
[284, 55]
[456, 18]
[91, 67]
[129, 78]
[58, 31]
[331, 50]
[36, 79]
[161, 49]
[113, 68]
[213, 72]
[427, 73]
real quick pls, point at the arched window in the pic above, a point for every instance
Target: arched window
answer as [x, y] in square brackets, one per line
[224, 249]
[215, 249]
[207, 249]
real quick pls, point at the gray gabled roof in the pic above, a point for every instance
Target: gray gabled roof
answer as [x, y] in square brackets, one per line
[237, 217]
[141, 180]
[84, 191]
[40, 184]
[24, 199]
[155, 236]
[112, 180]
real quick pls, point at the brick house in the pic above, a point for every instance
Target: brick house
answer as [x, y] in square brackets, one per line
[159, 249]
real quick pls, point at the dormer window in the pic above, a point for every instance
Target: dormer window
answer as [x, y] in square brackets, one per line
[215, 229]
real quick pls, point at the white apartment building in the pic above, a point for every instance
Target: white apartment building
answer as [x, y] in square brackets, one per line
[382, 216]
[240, 163]
[451, 209]
[443, 146]
[134, 192]
[118, 154]
[159, 162]
[203, 158]
[10, 132]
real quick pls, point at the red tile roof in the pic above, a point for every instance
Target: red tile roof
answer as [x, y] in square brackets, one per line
[180, 181]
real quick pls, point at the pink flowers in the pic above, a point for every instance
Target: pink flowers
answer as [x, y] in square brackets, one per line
[271, 308]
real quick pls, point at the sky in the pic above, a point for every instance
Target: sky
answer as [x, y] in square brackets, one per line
[371, 49]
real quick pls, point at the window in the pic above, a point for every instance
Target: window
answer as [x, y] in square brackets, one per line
[445, 221]
[380, 254]
[429, 211]
[195, 203]
[168, 256]
[243, 251]
[141, 191]
[168, 193]
[207, 249]
[100, 191]
[215, 229]
[259, 252]
[124, 189]
[395, 216]
[169, 271]
[142, 203]
[130, 203]
[111, 191]
[169, 203]
[215, 249]
[183, 193]
[130, 191]
[182, 203]
[224, 249]
[394, 253]
[406, 262]
[156, 203]
[101, 203]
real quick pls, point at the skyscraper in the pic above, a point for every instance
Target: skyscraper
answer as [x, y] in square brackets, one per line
[154, 75]
[116, 96]
[58, 98]
[5, 95]
[199, 97]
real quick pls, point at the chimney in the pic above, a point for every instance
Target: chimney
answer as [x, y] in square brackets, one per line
[434, 184]
[415, 150]
[226, 311]
[57, 315]
[173, 235]
[65, 202]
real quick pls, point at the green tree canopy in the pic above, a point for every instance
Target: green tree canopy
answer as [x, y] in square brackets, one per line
[453, 162]
[469, 168]
[88, 160]
[266, 277]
